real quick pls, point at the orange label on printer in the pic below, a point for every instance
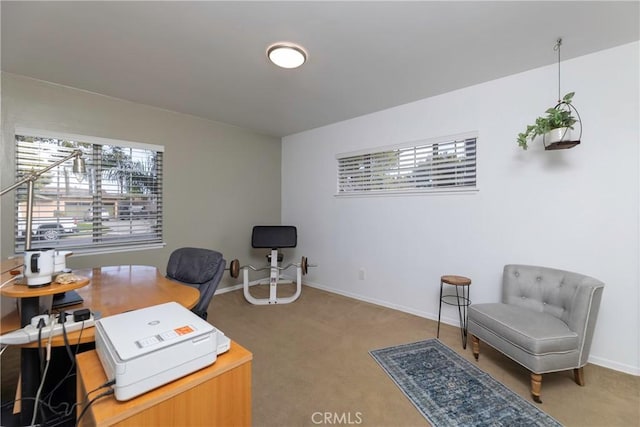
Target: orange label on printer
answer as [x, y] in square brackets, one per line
[184, 330]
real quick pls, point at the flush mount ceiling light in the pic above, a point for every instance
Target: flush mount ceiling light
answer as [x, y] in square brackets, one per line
[287, 55]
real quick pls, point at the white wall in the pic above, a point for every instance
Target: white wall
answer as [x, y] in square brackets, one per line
[572, 209]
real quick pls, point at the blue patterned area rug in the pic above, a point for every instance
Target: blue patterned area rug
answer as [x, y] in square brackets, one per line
[451, 391]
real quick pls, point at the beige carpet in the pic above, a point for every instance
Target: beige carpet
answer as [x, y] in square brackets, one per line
[311, 361]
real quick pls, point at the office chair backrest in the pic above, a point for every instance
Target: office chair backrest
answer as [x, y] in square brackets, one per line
[198, 268]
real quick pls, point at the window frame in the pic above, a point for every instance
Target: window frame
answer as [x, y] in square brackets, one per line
[98, 245]
[395, 151]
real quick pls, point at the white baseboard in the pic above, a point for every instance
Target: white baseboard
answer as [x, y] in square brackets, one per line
[453, 321]
[596, 360]
[616, 366]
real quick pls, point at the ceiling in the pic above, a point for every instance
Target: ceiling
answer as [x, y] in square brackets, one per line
[208, 59]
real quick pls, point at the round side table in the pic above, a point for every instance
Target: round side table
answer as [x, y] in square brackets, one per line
[460, 299]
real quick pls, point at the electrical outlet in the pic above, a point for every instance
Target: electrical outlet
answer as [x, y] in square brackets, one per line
[361, 274]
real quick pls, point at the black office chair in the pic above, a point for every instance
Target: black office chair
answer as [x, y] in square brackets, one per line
[199, 268]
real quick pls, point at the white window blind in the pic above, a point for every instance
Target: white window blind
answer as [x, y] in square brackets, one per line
[424, 166]
[116, 206]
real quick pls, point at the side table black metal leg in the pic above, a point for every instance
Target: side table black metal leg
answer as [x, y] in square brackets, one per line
[467, 301]
[462, 313]
[439, 311]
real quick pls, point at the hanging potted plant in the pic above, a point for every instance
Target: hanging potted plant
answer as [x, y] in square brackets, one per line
[555, 126]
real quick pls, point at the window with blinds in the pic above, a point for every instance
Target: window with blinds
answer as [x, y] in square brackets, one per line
[424, 166]
[115, 206]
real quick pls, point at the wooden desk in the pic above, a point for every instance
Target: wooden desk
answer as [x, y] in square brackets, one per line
[111, 290]
[218, 395]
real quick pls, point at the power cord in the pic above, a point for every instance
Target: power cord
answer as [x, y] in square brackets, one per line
[41, 325]
[14, 276]
[44, 375]
[66, 411]
[11, 403]
[62, 318]
[106, 384]
[100, 396]
[6, 282]
[63, 409]
[69, 409]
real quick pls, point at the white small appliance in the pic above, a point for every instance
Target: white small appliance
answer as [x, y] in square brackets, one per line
[60, 261]
[146, 348]
[38, 266]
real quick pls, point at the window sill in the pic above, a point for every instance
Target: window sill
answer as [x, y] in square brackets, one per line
[438, 192]
[113, 250]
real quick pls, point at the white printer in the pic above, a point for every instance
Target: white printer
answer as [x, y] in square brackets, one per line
[144, 349]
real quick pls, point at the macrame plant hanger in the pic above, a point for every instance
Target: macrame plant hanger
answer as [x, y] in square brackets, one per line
[564, 105]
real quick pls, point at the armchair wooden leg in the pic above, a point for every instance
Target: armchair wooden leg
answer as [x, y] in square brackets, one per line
[475, 345]
[536, 386]
[578, 376]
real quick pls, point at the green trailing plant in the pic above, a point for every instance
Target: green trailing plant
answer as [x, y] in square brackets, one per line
[559, 116]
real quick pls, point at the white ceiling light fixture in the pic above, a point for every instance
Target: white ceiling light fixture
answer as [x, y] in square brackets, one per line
[287, 55]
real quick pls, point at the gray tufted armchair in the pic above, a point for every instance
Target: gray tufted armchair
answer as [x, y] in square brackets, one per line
[545, 321]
